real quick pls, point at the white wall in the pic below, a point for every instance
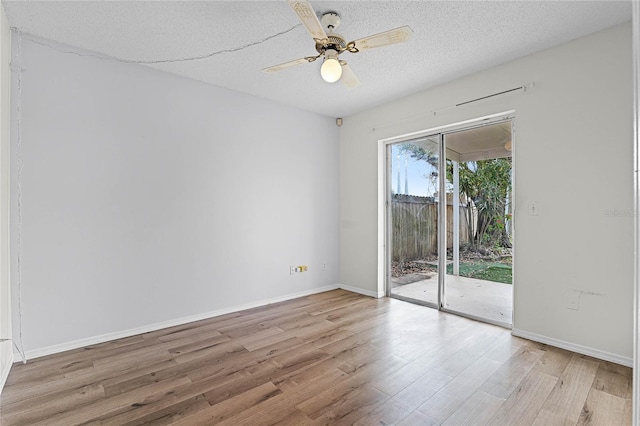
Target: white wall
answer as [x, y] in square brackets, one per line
[572, 154]
[148, 198]
[6, 352]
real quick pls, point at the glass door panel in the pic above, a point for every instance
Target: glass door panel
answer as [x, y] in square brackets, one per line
[478, 282]
[413, 212]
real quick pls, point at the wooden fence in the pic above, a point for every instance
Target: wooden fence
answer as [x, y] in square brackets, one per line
[415, 227]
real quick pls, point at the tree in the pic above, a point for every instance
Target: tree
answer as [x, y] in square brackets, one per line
[486, 184]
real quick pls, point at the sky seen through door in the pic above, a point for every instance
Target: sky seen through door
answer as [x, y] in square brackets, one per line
[411, 176]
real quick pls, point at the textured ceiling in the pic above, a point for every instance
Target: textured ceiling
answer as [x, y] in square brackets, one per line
[234, 40]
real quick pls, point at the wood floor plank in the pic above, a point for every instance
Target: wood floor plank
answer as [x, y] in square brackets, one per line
[468, 354]
[206, 329]
[451, 397]
[229, 407]
[294, 418]
[356, 313]
[567, 397]
[39, 408]
[512, 372]
[262, 338]
[614, 379]
[311, 375]
[261, 373]
[326, 401]
[505, 348]
[330, 358]
[335, 311]
[369, 368]
[328, 337]
[421, 390]
[34, 388]
[202, 342]
[627, 416]
[477, 410]
[547, 418]
[226, 349]
[224, 366]
[366, 320]
[526, 400]
[51, 369]
[153, 374]
[172, 413]
[554, 361]
[393, 383]
[351, 407]
[280, 348]
[304, 355]
[419, 419]
[320, 376]
[270, 412]
[48, 365]
[163, 411]
[403, 377]
[284, 405]
[338, 308]
[390, 412]
[136, 358]
[602, 408]
[312, 329]
[115, 405]
[226, 386]
[170, 400]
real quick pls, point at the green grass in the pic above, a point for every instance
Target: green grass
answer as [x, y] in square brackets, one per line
[482, 270]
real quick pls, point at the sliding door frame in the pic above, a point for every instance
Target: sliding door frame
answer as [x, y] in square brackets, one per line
[442, 218]
[440, 133]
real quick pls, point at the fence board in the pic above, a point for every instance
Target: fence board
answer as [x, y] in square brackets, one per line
[415, 227]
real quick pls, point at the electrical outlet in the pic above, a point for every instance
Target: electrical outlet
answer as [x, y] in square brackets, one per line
[324, 266]
[533, 208]
[297, 269]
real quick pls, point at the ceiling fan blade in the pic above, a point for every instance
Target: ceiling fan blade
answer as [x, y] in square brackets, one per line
[309, 19]
[290, 64]
[397, 35]
[348, 78]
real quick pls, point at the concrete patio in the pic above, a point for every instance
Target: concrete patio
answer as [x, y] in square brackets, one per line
[480, 298]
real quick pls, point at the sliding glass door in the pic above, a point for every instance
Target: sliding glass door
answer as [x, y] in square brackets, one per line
[414, 215]
[450, 222]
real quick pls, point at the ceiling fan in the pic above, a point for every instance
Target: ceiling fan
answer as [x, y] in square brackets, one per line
[330, 45]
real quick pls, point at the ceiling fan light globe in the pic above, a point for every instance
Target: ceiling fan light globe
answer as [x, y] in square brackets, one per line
[331, 70]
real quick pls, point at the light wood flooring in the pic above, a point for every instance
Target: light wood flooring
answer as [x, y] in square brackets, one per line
[331, 358]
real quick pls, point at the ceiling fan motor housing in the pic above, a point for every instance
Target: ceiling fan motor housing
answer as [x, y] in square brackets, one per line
[336, 42]
[330, 21]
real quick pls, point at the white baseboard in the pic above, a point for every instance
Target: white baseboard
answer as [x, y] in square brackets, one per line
[5, 371]
[75, 344]
[359, 291]
[584, 350]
